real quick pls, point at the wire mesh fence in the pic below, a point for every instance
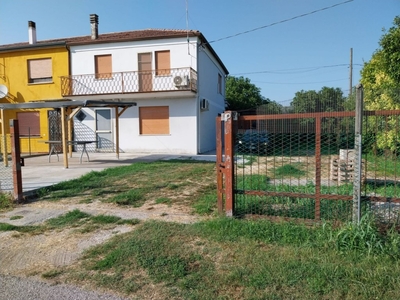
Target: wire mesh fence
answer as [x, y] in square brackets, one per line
[301, 162]
[287, 161]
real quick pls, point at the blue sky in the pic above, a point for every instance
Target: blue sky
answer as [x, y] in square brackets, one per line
[305, 53]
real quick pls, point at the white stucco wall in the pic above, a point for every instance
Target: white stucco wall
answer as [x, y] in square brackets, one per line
[208, 70]
[182, 125]
[125, 54]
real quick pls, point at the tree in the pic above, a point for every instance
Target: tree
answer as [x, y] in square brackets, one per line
[327, 99]
[381, 81]
[241, 94]
[381, 75]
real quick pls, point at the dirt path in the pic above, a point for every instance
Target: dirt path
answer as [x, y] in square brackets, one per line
[29, 255]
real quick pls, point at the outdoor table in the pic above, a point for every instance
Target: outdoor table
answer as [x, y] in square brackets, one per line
[83, 143]
[53, 149]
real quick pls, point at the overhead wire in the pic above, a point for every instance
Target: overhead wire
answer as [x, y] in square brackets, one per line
[295, 70]
[282, 21]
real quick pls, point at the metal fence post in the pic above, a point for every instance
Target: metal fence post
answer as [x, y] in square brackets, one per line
[16, 159]
[220, 166]
[229, 117]
[358, 155]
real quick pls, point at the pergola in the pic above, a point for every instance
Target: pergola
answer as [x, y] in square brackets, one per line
[69, 108]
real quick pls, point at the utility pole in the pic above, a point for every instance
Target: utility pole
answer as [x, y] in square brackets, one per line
[351, 72]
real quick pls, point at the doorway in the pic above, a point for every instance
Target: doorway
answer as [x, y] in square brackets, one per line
[103, 129]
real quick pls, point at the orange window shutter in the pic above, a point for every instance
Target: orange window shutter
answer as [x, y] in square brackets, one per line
[103, 66]
[163, 64]
[154, 120]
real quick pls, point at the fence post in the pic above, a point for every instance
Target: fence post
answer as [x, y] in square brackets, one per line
[358, 155]
[229, 117]
[220, 166]
[16, 159]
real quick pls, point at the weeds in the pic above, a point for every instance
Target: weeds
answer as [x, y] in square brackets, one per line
[175, 180]
[6, 201]
[226, 258]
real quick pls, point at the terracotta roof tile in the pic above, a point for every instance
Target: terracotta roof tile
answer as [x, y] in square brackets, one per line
[110, 37]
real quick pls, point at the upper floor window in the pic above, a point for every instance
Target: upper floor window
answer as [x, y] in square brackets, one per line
[220, 84]
[40, 70]
[103, 66]
[163, 64]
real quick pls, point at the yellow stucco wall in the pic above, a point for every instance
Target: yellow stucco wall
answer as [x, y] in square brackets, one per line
[14, 74]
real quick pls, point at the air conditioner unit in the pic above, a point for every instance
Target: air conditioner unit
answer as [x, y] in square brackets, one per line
[181, 81]
[203, 104]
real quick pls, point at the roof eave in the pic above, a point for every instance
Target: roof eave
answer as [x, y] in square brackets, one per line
[33, 46]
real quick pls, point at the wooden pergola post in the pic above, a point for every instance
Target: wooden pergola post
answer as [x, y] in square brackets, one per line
[64, 137]
[4, 140]
[69, 120]
[117, 131]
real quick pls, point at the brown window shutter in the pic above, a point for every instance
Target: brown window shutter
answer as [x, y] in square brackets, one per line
[163, 65]
[154, 120]
[103, 66]
[29, 123]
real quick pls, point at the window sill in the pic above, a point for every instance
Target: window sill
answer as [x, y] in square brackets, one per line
[39, 83]
[160, 134]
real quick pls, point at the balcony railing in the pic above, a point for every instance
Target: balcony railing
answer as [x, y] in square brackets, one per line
[180, 79]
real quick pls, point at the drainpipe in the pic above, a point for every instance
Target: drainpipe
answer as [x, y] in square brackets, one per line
[198, 103]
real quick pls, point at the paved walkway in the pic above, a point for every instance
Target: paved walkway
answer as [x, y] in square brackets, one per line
[38, 172]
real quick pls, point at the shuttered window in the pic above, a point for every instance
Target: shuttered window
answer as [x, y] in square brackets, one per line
[40, 70]
[154, 120]
[29, 123]
[163, 65]
[103, 66]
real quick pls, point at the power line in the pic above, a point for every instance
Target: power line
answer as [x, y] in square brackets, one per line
[296, 70]
[280, 22]
[288, 83]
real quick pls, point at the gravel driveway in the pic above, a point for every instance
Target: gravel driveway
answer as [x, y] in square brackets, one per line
[17, 288]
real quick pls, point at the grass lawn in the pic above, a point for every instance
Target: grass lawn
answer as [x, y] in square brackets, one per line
[219, 258]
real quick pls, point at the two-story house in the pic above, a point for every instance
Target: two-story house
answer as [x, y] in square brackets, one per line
[174, 76]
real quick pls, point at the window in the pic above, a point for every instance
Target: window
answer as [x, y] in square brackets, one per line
[102, 66]
[154, 120]
[29, 123]
[163, 66]
[40, 70]
[219, 84]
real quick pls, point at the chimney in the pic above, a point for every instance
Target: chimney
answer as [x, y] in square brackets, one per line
[94, 22]
[32, 32]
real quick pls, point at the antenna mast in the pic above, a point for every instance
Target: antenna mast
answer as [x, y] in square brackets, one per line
[187, 26]
[351, 72]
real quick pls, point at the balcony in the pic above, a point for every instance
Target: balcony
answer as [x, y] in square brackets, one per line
[179, 79]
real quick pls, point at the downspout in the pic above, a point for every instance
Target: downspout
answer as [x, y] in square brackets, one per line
[197, 102]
